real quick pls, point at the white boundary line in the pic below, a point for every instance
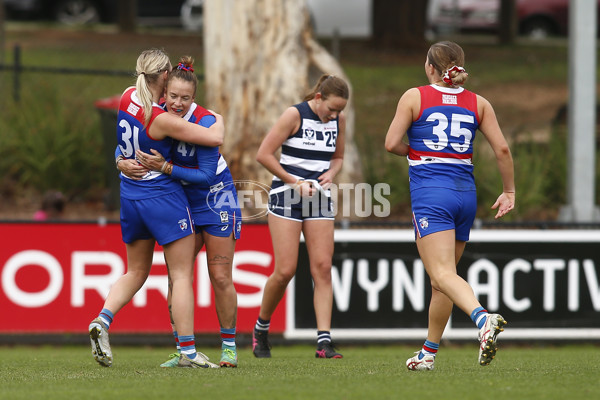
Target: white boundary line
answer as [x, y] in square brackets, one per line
[458, 333]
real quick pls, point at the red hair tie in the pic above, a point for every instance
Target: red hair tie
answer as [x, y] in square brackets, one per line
[185, 68]
[447, 77]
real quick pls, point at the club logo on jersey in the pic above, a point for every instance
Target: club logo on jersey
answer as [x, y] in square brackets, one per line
[224, 216]
[183, 225]
[133, 109]
[424, 223]
[449, 99]
[308, 134]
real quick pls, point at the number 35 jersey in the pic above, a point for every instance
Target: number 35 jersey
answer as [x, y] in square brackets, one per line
[441, 139]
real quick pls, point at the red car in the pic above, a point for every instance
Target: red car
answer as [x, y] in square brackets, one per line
[536, 18]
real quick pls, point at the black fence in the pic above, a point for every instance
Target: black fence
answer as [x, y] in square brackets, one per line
[18, 68]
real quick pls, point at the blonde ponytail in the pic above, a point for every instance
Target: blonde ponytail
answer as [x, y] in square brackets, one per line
[149, 66]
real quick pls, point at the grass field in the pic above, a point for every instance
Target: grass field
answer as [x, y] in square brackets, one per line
[366, 372]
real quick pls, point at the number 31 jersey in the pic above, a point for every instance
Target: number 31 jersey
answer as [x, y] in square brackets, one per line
[441, 139]
[132, 135]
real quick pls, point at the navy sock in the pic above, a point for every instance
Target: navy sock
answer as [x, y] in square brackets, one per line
[262, 324]
[323, 337]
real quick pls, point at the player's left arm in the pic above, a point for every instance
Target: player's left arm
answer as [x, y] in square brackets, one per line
[491, 130]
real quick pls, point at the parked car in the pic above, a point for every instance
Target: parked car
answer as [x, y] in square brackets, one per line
[347, 18]
[463, 15]
[535, 18]
[79, 12]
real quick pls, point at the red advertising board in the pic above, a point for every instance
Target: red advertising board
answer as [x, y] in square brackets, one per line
[55, 278]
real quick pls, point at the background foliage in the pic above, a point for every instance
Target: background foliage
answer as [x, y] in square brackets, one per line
[52, 138]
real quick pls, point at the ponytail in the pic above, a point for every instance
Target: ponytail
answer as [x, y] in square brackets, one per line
[329, 85]
[149, 66]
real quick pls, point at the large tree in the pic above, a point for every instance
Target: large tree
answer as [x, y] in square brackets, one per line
[260, 58]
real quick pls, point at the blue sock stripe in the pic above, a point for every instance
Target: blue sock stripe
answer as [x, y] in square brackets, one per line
[475, 312]
[430, 348]
[188, 345]
[228, 331]
[106, 316]
[107, 313]
[431, 345]
[176, 336]
[228, 337]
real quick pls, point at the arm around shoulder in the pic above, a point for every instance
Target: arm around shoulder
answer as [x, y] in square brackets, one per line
[180, 129]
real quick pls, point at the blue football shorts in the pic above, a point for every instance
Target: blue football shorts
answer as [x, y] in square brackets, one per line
[440, 209]
[165, 218]
[289, 204]
[219, 222]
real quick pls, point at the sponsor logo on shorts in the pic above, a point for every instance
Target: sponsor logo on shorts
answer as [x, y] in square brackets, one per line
[183, 225]
[224, 216]
[224, 228]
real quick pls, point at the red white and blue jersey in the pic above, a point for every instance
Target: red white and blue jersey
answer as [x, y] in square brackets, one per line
[133, 135]
[202, 157]
[441, 139]
[307, 153]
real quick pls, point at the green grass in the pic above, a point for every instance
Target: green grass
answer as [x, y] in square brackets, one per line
[366, 372]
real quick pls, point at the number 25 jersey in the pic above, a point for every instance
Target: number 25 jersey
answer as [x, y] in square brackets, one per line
[441, 139]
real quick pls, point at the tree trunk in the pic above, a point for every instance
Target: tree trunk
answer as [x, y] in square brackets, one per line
[507, 27]
[127, 15]
[260, 58]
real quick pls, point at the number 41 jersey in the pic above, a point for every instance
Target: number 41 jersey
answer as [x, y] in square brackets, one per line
[441, 139]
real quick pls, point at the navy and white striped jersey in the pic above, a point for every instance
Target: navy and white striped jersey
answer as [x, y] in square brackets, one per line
[307, 153]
